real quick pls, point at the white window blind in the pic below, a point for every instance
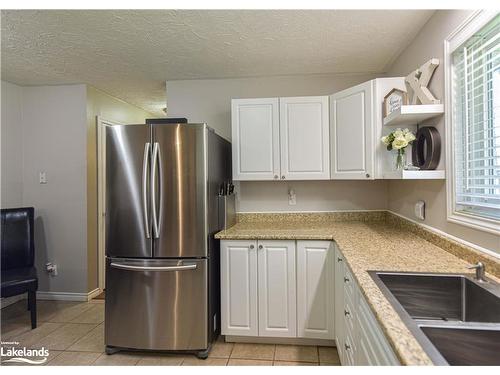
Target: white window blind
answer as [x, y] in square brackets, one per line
[476, 121]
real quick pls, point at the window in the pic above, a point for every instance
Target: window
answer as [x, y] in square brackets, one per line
[474, 118]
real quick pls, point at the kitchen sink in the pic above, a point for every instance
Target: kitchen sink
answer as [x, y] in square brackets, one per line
[454, 317]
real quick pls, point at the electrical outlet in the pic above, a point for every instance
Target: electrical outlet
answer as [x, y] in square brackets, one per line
[43, 177]
[420, 210]
[51, 268]
[292, 197]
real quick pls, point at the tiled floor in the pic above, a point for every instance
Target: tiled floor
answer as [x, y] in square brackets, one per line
[74, 334]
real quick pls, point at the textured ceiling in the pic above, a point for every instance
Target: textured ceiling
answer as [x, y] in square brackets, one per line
[131, 53]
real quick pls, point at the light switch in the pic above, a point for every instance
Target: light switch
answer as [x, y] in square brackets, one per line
[43, 177]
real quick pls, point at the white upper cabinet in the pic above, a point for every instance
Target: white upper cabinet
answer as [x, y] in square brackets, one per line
[304, 137]
[315, 289]
[277, 298]
[280, 138]
[255, 139]
[351, 132]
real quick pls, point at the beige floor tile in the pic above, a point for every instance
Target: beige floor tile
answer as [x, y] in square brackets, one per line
[328, 355]
[288, 363]
[248, 362]
[329, 364]
[31, 337]
[46, 310]
[193, 361]
[95, 314]
[68, 313]
[74, 359]
[161, 360]
[221, 349]
[15, 310]
[296, 353]
[91, 342]
[65, 336]
[253, 351]
[118, 359]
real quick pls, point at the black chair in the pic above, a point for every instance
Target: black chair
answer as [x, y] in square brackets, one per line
[18, 255]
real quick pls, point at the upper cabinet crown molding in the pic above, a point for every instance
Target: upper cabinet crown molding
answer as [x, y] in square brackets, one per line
[280, 138]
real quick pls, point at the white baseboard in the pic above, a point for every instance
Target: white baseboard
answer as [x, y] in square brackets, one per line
[67, 296]
[4, 302]
[279, 340]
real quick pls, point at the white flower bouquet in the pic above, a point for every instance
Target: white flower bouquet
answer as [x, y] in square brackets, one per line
[398, 140]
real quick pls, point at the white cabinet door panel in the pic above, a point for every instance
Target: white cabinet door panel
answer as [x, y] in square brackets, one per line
[277, 294]
[315, 289]
[239, 302]
[304, 135]
[351, 129]
[255, 139]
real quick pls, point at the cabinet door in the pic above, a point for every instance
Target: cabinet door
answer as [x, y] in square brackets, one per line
[315, 289]
[277, 294]
[351, 131]
[304, 136]
[239, 288]
[255, 139]
[339, 304]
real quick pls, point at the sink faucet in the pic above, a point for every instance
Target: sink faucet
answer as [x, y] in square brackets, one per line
[479, 267]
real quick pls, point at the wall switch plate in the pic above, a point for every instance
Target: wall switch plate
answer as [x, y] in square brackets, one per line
[420, 210]
[43, 177]
[292, 198]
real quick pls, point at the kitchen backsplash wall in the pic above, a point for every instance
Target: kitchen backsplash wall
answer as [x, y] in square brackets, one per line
[273, 196]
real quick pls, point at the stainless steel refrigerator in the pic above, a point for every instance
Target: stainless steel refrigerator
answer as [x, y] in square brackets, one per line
[163, 183]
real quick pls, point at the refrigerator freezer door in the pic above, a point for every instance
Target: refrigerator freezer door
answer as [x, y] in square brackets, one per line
[128, 212]
[179, 180]
[156, 304]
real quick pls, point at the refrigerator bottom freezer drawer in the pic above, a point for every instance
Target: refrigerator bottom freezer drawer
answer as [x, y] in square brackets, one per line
[156, 304]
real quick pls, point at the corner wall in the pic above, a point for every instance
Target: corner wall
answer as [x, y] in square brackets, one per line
[403, 194]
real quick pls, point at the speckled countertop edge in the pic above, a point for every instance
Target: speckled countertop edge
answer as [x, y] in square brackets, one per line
[381, 242]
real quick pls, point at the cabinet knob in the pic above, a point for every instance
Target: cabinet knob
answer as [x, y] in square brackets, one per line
[276, 177]
[346, 313]
[347, 347]
[252, 246]
[367, 175]
[282, 177]
[261, 247]
[346, 280]
[339, 259]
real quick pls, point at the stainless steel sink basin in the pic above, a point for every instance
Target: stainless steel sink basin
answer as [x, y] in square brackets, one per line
[455, 318]
[443, 297]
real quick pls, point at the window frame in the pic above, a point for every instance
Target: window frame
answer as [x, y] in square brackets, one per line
[476, 21]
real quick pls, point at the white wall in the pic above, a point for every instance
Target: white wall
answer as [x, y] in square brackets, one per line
[12, 146]
[54, 140]
[210, 101]
[403, 194]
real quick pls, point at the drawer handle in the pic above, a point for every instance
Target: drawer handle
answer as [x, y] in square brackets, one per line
[252, 246]
[347, 347]
[261, 247]
[346, 280]
[346, 313]
[153, 268]
[339, 259]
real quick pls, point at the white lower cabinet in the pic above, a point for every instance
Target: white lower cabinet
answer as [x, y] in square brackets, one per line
[239, 307]
[315, 282]
[277, 289]
[360, 340]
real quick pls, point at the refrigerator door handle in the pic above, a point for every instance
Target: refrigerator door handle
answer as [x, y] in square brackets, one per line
[154, 168]
[153, 268]
[145, 174]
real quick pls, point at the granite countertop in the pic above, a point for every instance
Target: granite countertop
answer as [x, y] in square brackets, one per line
[366, 246]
